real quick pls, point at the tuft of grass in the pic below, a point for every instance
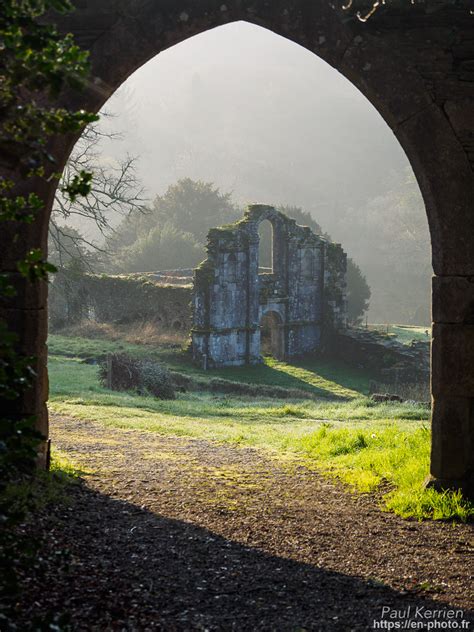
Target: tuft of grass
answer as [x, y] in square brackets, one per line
[63, 471]
[388, 456]
[47, 488]
[423, 503]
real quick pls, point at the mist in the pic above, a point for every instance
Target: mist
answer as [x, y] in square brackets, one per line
[267, 120]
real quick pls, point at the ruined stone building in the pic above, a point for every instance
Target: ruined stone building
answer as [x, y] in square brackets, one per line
[237, 304]
[235, 308]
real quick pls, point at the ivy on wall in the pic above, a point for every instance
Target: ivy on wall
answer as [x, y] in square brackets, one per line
[118, 299]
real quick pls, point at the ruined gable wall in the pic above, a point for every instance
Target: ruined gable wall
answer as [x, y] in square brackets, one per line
[225, 322]
[230, 297]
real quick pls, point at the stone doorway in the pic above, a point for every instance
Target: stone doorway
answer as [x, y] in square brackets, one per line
[271, 336]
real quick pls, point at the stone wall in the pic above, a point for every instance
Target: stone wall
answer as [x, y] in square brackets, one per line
[119, 299]
[304, 293]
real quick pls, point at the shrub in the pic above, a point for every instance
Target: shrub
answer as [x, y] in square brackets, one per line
[120, 372]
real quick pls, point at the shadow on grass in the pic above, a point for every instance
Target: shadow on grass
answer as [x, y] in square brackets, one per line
[289, 375]
[111, 565]
[337, 379]
[350, 377]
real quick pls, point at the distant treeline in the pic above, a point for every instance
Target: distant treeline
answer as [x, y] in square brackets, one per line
[172, 234]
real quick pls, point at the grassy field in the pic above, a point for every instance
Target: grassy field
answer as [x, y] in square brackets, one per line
[320, 377]
[368, 446]
[404, 333]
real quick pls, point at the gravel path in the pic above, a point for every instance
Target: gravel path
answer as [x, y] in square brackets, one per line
[178, 534]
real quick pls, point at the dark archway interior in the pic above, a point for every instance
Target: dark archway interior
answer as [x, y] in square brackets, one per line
[271, 335]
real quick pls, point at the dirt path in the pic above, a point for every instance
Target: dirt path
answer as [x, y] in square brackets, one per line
[179, 534]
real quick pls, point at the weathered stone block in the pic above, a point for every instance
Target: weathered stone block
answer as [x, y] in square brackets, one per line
[453, 299]
[29, 295]
[452, 353]
[34, 398]
[448, 199]
[30, 327]
[452, 454]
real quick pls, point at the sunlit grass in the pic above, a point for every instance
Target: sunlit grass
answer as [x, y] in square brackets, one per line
[404, 333]
[368, 446]
[319, 376]
[75, 383]
[46, 488]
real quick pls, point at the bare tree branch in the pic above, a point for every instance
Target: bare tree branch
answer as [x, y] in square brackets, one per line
[116, 189]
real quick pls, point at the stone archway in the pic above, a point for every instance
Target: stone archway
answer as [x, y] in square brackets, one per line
[416, 69]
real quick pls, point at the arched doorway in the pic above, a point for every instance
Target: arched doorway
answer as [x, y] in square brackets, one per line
[411, 68]
[272, 340]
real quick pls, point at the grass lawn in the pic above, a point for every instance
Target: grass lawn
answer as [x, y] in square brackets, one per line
[364, 444]
[405, 333]
[318, 376]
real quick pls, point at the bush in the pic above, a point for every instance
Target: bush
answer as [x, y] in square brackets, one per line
[123, 373]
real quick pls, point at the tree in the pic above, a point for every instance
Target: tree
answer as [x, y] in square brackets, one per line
[163, 248]
[115, 191]
[66, 248]
[193, 206]
[181, 216]
[358, 293]
[394, 251]
[71, 258]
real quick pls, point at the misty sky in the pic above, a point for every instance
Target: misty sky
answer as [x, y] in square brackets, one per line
[257, 115]
[265, 119]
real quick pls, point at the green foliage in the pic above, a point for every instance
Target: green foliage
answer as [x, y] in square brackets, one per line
[163, 247]
[79, 185]
[358, 293]
[36, 59]
[34, 267]
[172, 234]
[19, 208]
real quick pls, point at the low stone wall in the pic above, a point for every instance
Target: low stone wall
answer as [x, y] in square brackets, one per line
[393, 361]
[118, 299]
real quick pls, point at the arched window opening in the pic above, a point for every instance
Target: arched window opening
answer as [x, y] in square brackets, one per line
[265, 247]
[307, 263]
[231, 267]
